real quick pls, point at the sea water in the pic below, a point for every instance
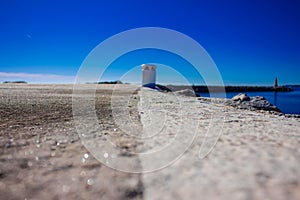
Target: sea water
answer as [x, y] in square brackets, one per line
[287, 102]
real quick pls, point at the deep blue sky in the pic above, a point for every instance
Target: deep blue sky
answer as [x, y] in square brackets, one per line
[250, 41]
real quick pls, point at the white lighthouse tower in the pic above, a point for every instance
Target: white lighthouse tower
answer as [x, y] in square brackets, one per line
[149, 75]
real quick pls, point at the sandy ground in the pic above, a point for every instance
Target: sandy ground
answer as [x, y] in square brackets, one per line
[255, 156]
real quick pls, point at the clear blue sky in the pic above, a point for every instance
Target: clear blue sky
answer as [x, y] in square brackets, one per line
[251, 42]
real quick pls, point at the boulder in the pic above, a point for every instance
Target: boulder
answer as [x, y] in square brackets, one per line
[163, 88]
[261, 103]
[253, 103]
[258, 98]
[241, 97]
[186, 92]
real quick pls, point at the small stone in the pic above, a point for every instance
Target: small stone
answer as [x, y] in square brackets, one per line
[29, 164]
[86, 155]
[82, 173]
[90, 181]
[105, 155]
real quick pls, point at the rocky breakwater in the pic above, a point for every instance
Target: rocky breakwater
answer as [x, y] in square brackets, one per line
[204, 89]
[243, 101]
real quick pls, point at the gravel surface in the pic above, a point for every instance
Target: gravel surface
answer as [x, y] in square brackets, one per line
[255, 155]
[41, 155]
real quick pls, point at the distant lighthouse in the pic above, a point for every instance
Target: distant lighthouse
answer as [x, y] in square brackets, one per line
[149, 75]
[275, 83]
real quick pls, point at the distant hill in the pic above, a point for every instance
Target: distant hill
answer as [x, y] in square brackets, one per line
[107, 82]
[15, 82]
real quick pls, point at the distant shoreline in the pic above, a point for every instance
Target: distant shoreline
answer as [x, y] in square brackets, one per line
[196, 88]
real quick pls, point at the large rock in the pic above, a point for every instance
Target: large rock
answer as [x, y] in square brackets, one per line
[163, 88]
[241, 97]
[186, 92]
[243, 101]
[262, 104]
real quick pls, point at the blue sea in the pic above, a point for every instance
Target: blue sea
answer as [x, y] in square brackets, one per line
[287, 102]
